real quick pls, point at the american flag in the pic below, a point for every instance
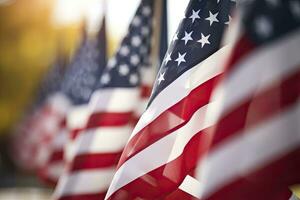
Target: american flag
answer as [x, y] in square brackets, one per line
[77, 88]
[115, 105]
[26, 139]
[79, 113]
[160, 152]
[254, 150]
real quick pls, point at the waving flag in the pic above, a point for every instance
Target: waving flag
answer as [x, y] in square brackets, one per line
[78, 115]
[160, 153]
[27, 139]
[254, 150]
[114, 107]
[77, 87]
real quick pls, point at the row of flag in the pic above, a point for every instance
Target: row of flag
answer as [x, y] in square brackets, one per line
[219, 119]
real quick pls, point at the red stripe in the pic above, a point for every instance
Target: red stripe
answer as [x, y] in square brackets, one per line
[168, 177]
[242, 49]
[166, 123]
[265, 182]
[94, 161]
[109, 119]
[159, 182]
[98, 196]
[257, 109]
[57, 155]
[63, 123]
[179, 195]
[146, 91]
[165, 179]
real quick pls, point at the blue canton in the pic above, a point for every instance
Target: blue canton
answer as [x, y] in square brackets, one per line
[123, 69]
[267, 20]
[85, 70]
[199, 36]
[51, 83]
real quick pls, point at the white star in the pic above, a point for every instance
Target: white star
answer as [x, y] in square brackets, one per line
[123, 69]
[112, 63]
[218, 1]
[134, 59]
[161, 78]
[229, 20]
[195, 15]
[133, 78]
[136, 21]
[204, 40]
[180, 58]
[136, 41]
[263, 26]
[145, 30]
[124, 50]
[175, 37]
[146, 10]
[105, 78]
[187, 37]
[212, 18]
[168, 58]
[295, 8]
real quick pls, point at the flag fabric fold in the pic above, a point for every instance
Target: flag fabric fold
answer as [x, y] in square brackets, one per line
[119, 97]
[33, 134]
[253, 150]
[160, 151]
[77, 87]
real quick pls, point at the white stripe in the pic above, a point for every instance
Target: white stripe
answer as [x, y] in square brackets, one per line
[49, 124]
[84, 182]
[60, 139]
[69, 150]
[114, 100]
[60, 102]
[261, 69]
[77, 117]
[191, 186]
[262, 144]
[148, 75]
[141, 107]
[102, 140]
[183, 85]
[160, 152]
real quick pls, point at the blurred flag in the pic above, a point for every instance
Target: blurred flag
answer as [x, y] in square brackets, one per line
[78, 116]
[254, 138]
[77, 86]
[160, 152]
[115, 105]
[26, 140]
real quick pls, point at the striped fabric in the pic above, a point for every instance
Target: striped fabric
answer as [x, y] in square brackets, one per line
[33, 144]
[161, 151]
[117, 102]
[254, 142]
[79, 82]
[34, 133]
[49, 128]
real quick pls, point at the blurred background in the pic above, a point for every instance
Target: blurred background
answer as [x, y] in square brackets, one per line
[31, 33]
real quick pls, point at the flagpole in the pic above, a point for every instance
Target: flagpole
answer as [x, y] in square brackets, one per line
[157, 15]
